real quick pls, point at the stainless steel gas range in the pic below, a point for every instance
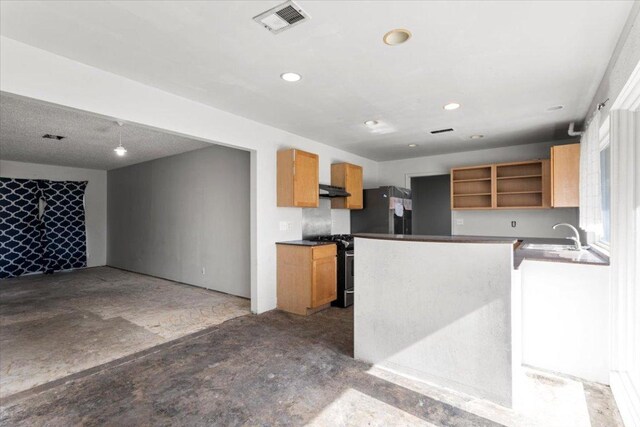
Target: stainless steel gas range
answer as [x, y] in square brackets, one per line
[344, 242]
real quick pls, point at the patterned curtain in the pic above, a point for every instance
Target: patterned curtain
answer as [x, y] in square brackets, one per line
[20, 227]
[64, 238]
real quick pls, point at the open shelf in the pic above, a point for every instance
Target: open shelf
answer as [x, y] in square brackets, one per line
[510, 170]
[519, 200]
[471, 180]
[518, 177]
[472, 173]
[521, 185]
[472, 202]
[472, 187]
[519, 192]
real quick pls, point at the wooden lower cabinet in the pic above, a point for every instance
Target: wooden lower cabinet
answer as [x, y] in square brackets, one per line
[307, 278]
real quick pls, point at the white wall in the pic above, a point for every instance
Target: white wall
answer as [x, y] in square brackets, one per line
[35, 73]
[95, 199]
[529, 223]
[565, 318]
[421, 312]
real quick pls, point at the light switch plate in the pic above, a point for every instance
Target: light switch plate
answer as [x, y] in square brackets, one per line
[284, 226]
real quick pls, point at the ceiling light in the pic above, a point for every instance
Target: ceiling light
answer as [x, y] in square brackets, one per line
[476, 136]
[396, 37]
[413, 145]
[120, 150]
[371, 122]
[290, 77]
[555, 108]
[452, 106]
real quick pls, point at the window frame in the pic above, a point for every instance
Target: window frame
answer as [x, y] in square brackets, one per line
[604, 143]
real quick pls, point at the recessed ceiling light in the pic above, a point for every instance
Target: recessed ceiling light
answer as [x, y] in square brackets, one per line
[452, 106]
[396, 37]
[290, 77]
[555, 108]
[371, 122]
[476, 136]
[413, 145]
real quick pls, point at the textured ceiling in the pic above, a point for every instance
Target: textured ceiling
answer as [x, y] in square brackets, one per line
[506, 62]
[89, 141]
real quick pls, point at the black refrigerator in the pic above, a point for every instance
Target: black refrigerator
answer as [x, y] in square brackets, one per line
[387, 210]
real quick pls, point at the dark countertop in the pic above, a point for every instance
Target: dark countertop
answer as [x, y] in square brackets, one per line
[444, 239]
[304, 243]
[584, 257]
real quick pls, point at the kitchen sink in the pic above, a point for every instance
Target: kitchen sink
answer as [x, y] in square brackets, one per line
[548, 247]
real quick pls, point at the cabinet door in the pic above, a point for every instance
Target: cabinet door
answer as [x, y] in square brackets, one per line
[306, 180]
[354, 186]
[565, 175]
[323, 281]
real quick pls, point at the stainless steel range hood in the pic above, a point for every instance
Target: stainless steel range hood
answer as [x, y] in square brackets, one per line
[330, 191]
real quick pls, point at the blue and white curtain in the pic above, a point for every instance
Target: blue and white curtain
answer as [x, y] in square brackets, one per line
[20, 227]
[32, 242]
[64, 240]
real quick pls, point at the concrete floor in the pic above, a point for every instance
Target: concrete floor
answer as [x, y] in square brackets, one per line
[52, 326]
[282, 369]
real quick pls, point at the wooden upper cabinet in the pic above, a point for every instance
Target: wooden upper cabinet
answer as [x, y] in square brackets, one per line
[518, 185]
[348, 176]
[565, 176]
[298, 179]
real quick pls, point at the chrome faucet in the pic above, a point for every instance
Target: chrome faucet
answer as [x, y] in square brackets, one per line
[576, 239]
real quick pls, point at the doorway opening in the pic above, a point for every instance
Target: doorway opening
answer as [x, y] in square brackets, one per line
[431, 205]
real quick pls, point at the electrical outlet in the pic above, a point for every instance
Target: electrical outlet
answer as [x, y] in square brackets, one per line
[284, 225]
[513, 224]
[459, 221]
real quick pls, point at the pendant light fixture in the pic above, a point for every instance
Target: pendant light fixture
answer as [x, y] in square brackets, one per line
[120, 150]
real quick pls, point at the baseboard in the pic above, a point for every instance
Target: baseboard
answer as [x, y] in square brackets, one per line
[627, 398]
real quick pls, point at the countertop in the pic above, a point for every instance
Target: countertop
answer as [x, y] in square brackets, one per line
[584, 257]
[573, 257]
[445, 239]
[305, 243]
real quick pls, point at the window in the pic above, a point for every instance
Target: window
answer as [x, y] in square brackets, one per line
[603, 239]
[605, 187]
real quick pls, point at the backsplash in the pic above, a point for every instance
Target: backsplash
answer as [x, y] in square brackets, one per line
[528, 223]
[317, 221]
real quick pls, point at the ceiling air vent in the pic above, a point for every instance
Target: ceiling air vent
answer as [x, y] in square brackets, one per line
[435, 132]
[282, 17]
[56, 137]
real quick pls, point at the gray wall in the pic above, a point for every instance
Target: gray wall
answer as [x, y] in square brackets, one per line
[183, 218]
[622, 63]
[529, 222]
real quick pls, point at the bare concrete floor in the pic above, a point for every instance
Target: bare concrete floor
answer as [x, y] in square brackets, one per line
[282, 369]
[52, 326]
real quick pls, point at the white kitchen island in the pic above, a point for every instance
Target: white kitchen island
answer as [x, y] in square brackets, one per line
[439, 309]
